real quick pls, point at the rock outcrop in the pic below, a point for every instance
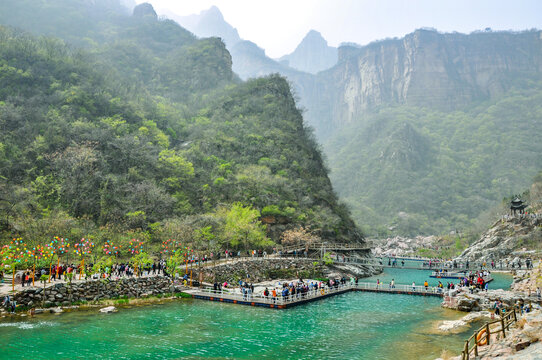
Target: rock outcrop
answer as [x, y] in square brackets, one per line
[402, 246]
[522, 341]
[145, 10]
[508, 239]
[484, 300]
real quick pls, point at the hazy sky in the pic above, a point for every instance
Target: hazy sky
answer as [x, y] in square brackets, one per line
[279, 25]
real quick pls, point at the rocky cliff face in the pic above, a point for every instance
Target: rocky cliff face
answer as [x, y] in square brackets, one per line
[507, 239]
[426, 68]
[312, 55]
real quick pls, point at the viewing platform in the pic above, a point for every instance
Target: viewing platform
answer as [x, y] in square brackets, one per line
[290, 301]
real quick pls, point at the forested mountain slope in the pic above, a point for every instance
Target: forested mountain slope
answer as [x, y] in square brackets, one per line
[148, 134]
[426, 132]
[417, 170]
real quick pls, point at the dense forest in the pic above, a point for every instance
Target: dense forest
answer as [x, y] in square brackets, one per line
[131, 128]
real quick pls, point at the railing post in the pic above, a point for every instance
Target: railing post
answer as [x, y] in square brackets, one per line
[488, 335]
[515, 316]
[502, 326]
[466, 351]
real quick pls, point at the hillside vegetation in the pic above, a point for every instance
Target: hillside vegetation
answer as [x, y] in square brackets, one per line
[413, 170]
[147, 134]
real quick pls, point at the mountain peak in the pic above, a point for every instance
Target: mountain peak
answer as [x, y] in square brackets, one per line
[313, 35]
[213, 12]
[209, 23]
[144, 10]
[312, 54]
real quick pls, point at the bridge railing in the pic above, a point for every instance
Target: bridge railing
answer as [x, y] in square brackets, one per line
[278, 300]
[233, 294]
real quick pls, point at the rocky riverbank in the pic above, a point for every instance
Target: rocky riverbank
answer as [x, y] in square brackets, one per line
[522, 342]
[523, 288]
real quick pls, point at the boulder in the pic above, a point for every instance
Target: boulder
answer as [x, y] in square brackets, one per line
[109, 309]
[465, 304]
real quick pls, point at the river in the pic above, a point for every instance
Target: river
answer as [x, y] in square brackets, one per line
[355, 325]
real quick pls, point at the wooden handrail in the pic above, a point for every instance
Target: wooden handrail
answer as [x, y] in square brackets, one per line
[505, 321]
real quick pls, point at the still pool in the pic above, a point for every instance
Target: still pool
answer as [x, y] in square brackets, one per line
[348, 326]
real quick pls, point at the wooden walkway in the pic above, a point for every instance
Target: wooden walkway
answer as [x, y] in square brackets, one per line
[281, 302]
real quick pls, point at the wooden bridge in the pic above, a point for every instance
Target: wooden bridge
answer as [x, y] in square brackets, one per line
[283, 302]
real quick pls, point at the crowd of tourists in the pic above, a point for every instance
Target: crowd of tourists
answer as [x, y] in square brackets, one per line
[454, 264]
[70, 271]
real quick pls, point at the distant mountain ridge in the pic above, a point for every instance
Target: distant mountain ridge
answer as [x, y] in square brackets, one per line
[249, 60]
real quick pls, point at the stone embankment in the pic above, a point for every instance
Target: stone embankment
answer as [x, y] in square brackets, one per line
[93, 290]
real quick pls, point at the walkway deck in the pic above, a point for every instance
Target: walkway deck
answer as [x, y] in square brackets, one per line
[290, 301]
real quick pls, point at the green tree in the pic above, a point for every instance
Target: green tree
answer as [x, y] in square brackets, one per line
[139, 261]
[173, 261]
[243, 229]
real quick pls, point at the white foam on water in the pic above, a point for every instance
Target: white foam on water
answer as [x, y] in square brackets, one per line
[27, 325]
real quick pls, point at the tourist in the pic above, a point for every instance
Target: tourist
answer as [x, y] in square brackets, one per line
[6, 303]
[413, 286]
[497, 307]
[377, 283]
[426, 284]
[392, 283]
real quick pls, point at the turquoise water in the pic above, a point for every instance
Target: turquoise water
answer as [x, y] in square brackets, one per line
[348, 326]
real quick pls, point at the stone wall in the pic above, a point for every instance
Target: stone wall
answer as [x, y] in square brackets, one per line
[62, 294]
[259, 270]
[270, 269]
